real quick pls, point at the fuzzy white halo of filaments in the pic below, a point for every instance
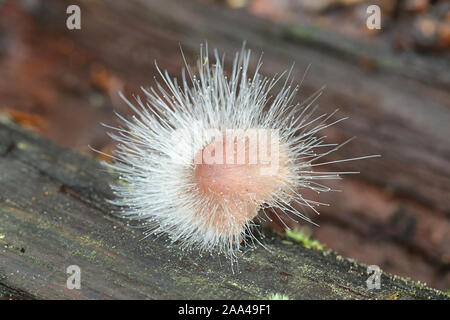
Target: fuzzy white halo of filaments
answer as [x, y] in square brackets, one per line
[156, 148]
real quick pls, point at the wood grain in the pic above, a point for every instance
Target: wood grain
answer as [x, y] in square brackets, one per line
[394, 214]
[53, 214]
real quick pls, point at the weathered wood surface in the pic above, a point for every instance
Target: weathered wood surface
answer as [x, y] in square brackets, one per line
[394, 214]
[53, 214]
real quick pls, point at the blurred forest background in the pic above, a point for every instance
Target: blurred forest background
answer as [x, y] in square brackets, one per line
[393, 83]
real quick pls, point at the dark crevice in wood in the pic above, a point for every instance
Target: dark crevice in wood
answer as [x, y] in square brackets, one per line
[8, 293]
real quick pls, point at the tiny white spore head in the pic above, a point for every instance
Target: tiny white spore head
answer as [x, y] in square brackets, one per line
[203, 156]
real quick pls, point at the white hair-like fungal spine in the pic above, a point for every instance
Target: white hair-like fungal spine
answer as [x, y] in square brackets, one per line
[179, 158]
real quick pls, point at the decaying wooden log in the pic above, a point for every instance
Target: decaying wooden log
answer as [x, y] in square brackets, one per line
[54, 214]
[394, 214]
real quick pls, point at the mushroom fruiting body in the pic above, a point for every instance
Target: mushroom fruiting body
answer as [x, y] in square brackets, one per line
[203, 156]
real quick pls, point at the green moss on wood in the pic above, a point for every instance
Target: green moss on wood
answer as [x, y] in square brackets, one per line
[278, 296]
[299, 236]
